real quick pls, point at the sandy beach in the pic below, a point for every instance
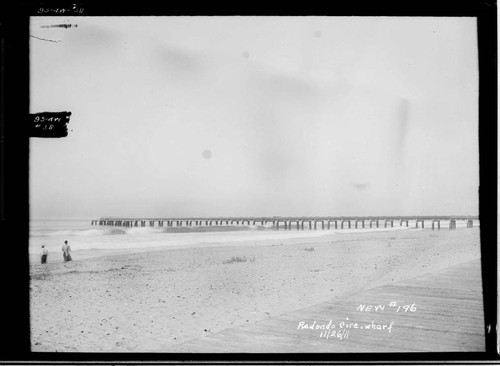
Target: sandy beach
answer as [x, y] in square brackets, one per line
[150, 301]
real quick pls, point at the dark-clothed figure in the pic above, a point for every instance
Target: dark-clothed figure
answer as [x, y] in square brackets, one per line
[44, 253]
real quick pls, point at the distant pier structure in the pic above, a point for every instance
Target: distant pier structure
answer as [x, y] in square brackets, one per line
[289, 223]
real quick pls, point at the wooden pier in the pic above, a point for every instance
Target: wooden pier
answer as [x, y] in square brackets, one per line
[287, 223]
[438, 312]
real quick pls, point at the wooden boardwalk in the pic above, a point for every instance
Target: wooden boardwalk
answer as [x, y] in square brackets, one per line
[447, 316]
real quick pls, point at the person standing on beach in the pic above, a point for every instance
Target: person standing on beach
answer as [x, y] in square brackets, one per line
[66, 249]
[44, 253]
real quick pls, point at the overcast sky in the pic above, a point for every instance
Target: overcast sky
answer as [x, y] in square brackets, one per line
[249, 116]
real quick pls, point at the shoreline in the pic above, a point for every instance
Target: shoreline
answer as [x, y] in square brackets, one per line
[256, 237]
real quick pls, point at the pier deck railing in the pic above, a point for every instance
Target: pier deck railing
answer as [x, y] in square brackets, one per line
[287, 222]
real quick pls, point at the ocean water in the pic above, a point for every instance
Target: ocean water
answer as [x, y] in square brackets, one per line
[89, 241]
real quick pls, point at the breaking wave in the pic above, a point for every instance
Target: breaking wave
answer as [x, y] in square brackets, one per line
[104, 231]
[79, 232]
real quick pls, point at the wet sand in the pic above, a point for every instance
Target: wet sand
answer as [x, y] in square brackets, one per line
[140, 302]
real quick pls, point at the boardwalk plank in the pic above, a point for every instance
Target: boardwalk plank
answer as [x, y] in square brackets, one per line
[448, 318]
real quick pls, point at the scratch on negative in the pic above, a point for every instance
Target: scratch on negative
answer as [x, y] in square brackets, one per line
[60, 26]
[43, 39]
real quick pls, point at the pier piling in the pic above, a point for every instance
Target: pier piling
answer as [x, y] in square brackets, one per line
[288, 222]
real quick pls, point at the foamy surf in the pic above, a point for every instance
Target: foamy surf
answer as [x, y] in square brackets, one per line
[86, 240]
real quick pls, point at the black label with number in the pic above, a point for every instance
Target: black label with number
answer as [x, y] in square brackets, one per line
[49, 124]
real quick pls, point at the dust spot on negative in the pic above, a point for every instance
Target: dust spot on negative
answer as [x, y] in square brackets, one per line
[360, 186]
[207, 154]
[245, 54]
[317, 34]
